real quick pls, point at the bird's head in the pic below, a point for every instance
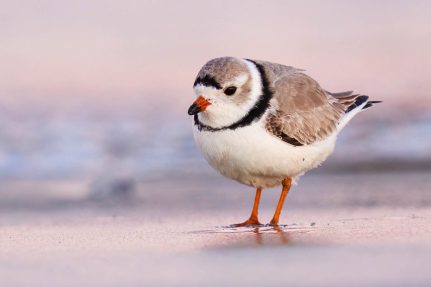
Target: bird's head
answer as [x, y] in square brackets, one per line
[225, 91]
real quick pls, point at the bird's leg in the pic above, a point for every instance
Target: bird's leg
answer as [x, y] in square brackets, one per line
[287, 183]
[253, 220]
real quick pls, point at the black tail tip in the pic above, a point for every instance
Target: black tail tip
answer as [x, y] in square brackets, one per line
[359, 100]
[370, 104]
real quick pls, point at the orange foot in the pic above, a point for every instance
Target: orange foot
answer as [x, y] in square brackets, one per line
[273, 223]
[248, 222]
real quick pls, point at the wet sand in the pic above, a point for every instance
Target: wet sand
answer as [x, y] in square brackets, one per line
[338, 230]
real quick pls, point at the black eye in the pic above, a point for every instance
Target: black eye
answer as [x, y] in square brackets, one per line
[229, 91]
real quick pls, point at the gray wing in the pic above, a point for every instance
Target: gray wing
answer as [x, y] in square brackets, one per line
[304, 112]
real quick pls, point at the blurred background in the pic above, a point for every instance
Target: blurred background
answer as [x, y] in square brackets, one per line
[101, 183]
[95, 93]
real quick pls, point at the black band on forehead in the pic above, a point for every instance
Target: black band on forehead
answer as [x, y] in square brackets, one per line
[207, 81]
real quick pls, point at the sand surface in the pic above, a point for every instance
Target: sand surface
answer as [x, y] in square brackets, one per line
[338, 230]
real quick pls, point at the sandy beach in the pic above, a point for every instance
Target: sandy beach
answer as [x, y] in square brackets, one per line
[337, 231]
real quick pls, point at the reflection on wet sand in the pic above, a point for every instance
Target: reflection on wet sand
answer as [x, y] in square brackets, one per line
[261, 235]
[282, 235]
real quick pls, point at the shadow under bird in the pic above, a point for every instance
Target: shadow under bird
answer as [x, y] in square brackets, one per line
[264, 124]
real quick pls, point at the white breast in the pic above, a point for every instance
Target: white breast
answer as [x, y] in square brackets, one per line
[254, 157]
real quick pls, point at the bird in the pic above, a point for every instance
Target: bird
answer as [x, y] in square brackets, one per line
[265, 124]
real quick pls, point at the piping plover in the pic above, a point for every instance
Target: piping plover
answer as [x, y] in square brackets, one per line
[265, 124]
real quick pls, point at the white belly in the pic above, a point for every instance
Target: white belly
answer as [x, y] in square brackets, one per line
[254, 157]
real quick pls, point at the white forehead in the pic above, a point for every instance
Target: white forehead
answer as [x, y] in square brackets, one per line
[204, 90]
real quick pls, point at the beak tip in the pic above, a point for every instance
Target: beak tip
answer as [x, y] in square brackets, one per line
[198, 106]
[194, 109]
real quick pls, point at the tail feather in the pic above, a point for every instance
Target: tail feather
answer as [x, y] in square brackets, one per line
[370, 104]
[359, 100]
[353, 104]
[351, 100]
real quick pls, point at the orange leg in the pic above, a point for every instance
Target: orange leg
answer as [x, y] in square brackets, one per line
[253, 220]
[287, 183]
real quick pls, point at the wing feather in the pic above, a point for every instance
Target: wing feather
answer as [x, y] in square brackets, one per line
[304, 112]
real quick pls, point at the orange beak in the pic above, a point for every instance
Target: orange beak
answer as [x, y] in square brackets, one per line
[198, 106]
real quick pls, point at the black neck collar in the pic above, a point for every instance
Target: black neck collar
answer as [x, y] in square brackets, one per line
[254, 114]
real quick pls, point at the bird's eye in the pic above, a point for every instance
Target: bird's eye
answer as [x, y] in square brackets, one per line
[229, 91]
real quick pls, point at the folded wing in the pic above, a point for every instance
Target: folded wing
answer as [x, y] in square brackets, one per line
[304, 112]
